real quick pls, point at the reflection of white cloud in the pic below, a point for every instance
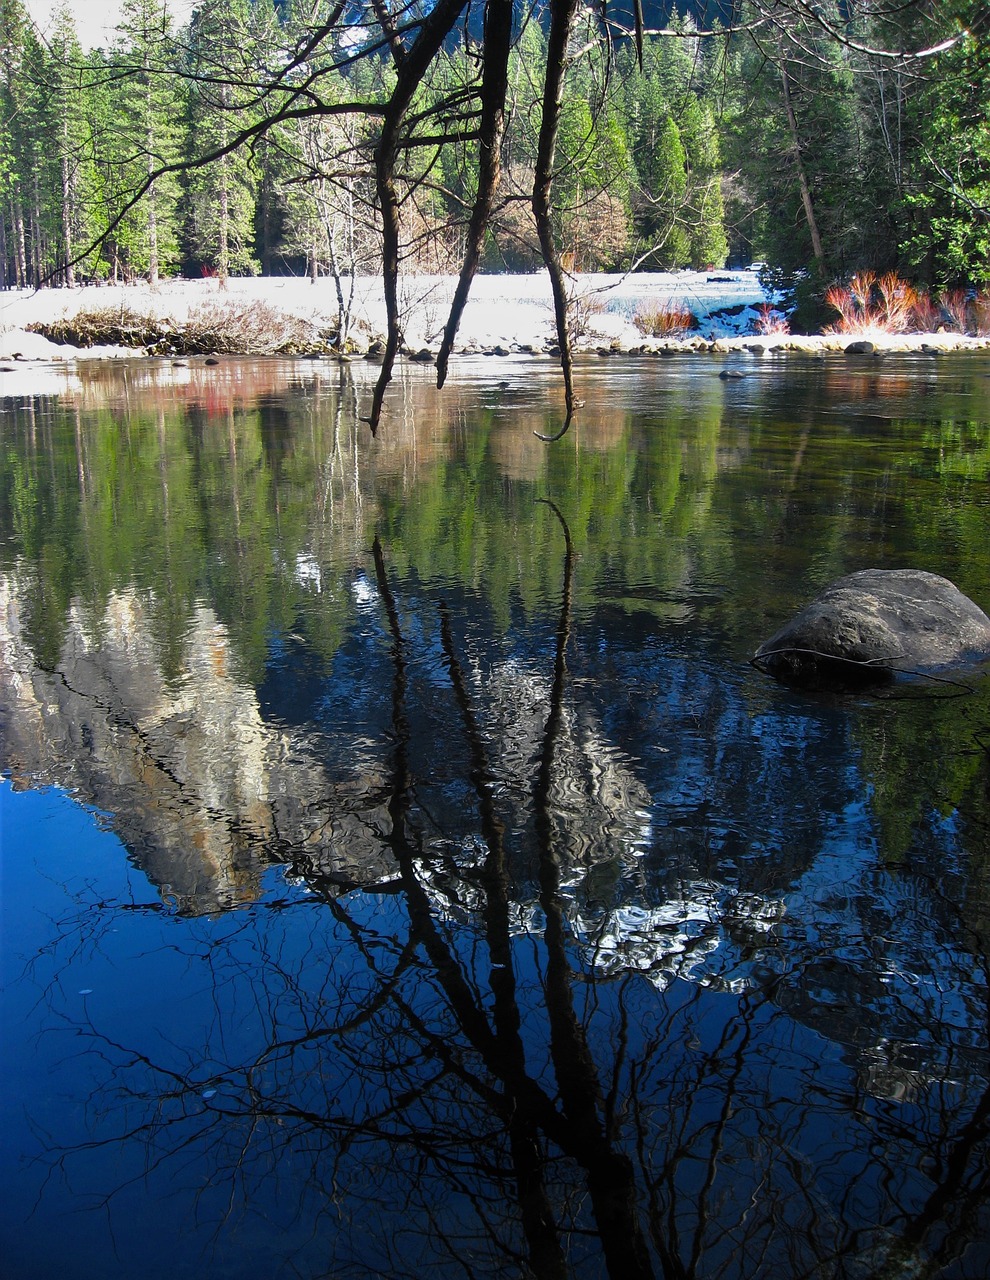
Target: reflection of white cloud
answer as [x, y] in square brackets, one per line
[364, 593]
[307, 572]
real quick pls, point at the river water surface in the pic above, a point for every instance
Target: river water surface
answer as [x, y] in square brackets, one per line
[405, 872]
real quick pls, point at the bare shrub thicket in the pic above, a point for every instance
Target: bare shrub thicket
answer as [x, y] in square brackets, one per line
[215, 327]
[118, 326]
[251, 328]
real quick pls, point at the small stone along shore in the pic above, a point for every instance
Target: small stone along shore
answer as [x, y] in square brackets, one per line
[24, 346]
[749, 345]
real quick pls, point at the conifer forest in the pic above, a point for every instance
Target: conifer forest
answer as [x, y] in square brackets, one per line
[329, 138]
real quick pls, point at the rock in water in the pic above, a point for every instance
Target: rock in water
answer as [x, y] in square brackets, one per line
[869, 625]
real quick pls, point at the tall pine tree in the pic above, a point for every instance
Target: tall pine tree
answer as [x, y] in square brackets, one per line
[148, 137]
[223, 188]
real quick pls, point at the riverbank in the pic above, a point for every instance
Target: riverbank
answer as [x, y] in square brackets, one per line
[505, 315]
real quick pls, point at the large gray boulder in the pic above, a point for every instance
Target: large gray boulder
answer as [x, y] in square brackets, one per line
[869, 625]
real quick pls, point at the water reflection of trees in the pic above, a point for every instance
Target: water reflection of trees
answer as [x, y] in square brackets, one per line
[422, 1057]
[444, 1026]
[149, 462]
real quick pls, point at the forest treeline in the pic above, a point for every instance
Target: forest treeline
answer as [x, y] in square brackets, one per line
[245, 142]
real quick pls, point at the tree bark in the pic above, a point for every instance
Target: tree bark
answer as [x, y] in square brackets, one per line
[802, 176]
[494, 91]
[410, 70]
[70, 274]
[20, 241]
[562, 14]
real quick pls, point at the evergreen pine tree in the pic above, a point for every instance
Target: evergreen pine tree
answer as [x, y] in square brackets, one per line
[948, 189]
[147, 138]
[223, 189]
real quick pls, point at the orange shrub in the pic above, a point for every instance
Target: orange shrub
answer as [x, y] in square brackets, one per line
[870, 302]
[769, 320]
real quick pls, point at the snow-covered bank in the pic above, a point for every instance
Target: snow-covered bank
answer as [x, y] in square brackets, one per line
[508, 312]
[502, 310]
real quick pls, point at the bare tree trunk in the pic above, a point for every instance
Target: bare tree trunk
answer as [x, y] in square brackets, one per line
[494, 89]
[151, 194]
[70, 272]
[411, 67]
[37, 253]
[153, 266]
[265, 198]
[806, 201]
[562, 14]
[223, 227]
[20, 241]
[4, 261]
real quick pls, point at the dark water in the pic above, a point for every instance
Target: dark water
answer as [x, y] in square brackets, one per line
[406, 875]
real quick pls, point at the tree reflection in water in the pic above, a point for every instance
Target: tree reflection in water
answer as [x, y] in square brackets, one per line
[528, 933]
[428, 1077]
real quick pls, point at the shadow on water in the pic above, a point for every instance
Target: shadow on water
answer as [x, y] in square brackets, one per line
[482, 912]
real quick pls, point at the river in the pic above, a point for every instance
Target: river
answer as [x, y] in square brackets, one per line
[406, 873]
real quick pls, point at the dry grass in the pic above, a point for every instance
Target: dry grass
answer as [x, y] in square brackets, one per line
[117, 326]
[255, 328]
[668, 320]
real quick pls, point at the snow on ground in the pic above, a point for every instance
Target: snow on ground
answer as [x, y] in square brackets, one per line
[510, 311]
[502, 308]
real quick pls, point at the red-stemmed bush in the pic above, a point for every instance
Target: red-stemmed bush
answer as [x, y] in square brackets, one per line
[768, 320]
[871, 303]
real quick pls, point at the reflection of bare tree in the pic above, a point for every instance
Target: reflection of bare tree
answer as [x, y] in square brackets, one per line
[577, 1126]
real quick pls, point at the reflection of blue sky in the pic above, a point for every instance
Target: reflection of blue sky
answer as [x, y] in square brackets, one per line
[98, 972]
[743, 997]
